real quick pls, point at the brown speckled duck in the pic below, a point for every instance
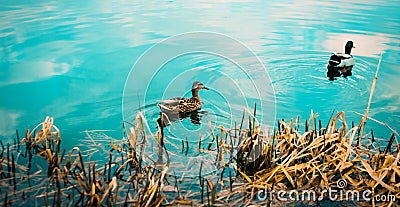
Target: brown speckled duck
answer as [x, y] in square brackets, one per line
[183, 105]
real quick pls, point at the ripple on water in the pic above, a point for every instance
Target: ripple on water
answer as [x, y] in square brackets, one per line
[90, 45]
[301, 84]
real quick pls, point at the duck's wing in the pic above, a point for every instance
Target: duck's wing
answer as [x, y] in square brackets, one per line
[334, 60]
[189, 104]
[172, 102]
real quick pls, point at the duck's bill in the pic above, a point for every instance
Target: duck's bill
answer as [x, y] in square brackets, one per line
[206, 88]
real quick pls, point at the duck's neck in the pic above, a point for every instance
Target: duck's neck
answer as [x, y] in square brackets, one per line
[195, 93]
[347, 50]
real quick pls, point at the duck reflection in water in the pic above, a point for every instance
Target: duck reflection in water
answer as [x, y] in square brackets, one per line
[167, 118]
[334, 72]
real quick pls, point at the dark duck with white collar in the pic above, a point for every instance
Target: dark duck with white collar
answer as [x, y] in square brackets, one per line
[341, 63]
[184, 105]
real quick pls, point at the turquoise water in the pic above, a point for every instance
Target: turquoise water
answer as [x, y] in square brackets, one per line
[71, 60]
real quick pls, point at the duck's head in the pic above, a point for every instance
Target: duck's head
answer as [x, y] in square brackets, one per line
[197, 85]
[348, 47]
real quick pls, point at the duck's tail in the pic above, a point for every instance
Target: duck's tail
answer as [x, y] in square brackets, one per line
[164, 108]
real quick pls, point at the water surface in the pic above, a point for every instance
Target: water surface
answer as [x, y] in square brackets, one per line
[71, 60]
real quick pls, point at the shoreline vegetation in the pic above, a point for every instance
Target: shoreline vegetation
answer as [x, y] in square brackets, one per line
[35, 170]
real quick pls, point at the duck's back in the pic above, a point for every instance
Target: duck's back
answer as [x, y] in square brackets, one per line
[341, 60]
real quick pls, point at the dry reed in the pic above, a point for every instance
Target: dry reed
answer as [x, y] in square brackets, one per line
[248, 161]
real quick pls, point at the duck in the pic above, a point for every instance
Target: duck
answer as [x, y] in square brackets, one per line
[180, 105]
[342, 61]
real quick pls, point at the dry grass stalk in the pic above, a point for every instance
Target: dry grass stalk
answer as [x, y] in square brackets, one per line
[284, 160]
